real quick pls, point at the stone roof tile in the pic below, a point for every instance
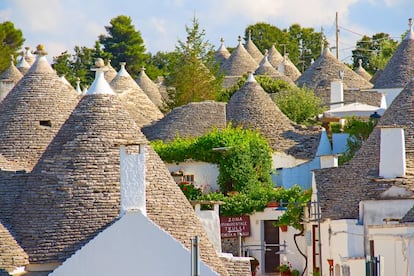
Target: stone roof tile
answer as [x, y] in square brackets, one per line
[326, 69]
[136, 102]
[341, 189]
[33, 112]
[191, 120]
[400, 68]
[250, 107]
[239, 62]
[12, 255]
[252, 49]
[222, 54]
[150, 88]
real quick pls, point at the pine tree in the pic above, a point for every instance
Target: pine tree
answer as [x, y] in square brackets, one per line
[194, 75]
[11, 40]
[125, 44]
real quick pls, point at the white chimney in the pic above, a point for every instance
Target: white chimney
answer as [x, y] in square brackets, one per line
[337, 94]
[392, 153]
[328, 161]
[132, 178]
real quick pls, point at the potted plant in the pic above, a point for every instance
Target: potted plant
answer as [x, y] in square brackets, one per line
[295, 272]
[284, 228]
[284, 269]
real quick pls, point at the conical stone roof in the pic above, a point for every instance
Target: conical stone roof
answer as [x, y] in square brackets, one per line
[28, 56]
[341, 189]
[33, 112]
[190, 120]
[326, 69]
[23, 66]
[110, 74]
[222, 54]
[400, 68]
[150, 88]
[252, 49]
[136, 102]
[289, 69]
[8, 79]
[362, 72]
[275, 58]
[265, 68]
[239, 62]
[251, 107]
[11, 73]
[74, 190]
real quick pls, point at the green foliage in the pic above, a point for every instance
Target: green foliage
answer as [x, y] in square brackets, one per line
[124, 44]
[374, 51]
[78, 65]
[160, 64]
[11, 40]
[302, 44]
[296, 200]
[189, 190]
[300, 105]
[194, 73]
[244, 163]
[255, 200]
[359, 131]
[268, 84]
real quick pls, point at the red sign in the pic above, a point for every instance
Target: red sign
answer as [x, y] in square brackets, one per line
[230, 227]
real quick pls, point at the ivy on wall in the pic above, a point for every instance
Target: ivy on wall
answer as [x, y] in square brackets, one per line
[243, 156]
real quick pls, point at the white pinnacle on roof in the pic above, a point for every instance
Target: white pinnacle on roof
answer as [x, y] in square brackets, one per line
[64, 80]
[78, 88]
[28, 56]
[251, 78]
[123, 72]
[22, 64]
[410, 34]
[100, 85]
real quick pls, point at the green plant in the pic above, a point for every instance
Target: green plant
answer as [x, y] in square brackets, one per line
[295, 272]
[190, 191]
[284, 267]
[359, 131]
[301, 105]
[295, 199]
[244, 163]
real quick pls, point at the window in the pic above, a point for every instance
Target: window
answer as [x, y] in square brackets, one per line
[46, 123]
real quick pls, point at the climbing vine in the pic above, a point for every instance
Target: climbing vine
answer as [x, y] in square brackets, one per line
[243, 156]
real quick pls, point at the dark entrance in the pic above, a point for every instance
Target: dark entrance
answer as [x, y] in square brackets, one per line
[271, 239]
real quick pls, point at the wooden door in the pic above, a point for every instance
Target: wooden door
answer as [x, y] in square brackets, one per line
[271, 239]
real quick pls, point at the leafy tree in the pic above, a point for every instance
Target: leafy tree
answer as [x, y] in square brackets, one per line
[302, 44]
[125, 44]
[11, 40]
[300, 105]
[194, 72]
[374, 51]
[359, 131]
[268, 84]
[78, 65]
[160, 64]
[245, 165]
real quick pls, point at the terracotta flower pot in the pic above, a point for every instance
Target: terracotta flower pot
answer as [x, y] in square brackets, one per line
[272, 204]
[284, 228]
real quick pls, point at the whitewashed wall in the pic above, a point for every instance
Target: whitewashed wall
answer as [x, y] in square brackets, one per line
[210, 220]
[205, 174]
[257, 238]
[133, 245]
[395, 243]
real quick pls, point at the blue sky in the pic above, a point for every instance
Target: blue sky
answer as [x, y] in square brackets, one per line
[62, 24]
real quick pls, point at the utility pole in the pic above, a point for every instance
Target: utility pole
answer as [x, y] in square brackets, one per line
[322, 41]
[337, 36]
